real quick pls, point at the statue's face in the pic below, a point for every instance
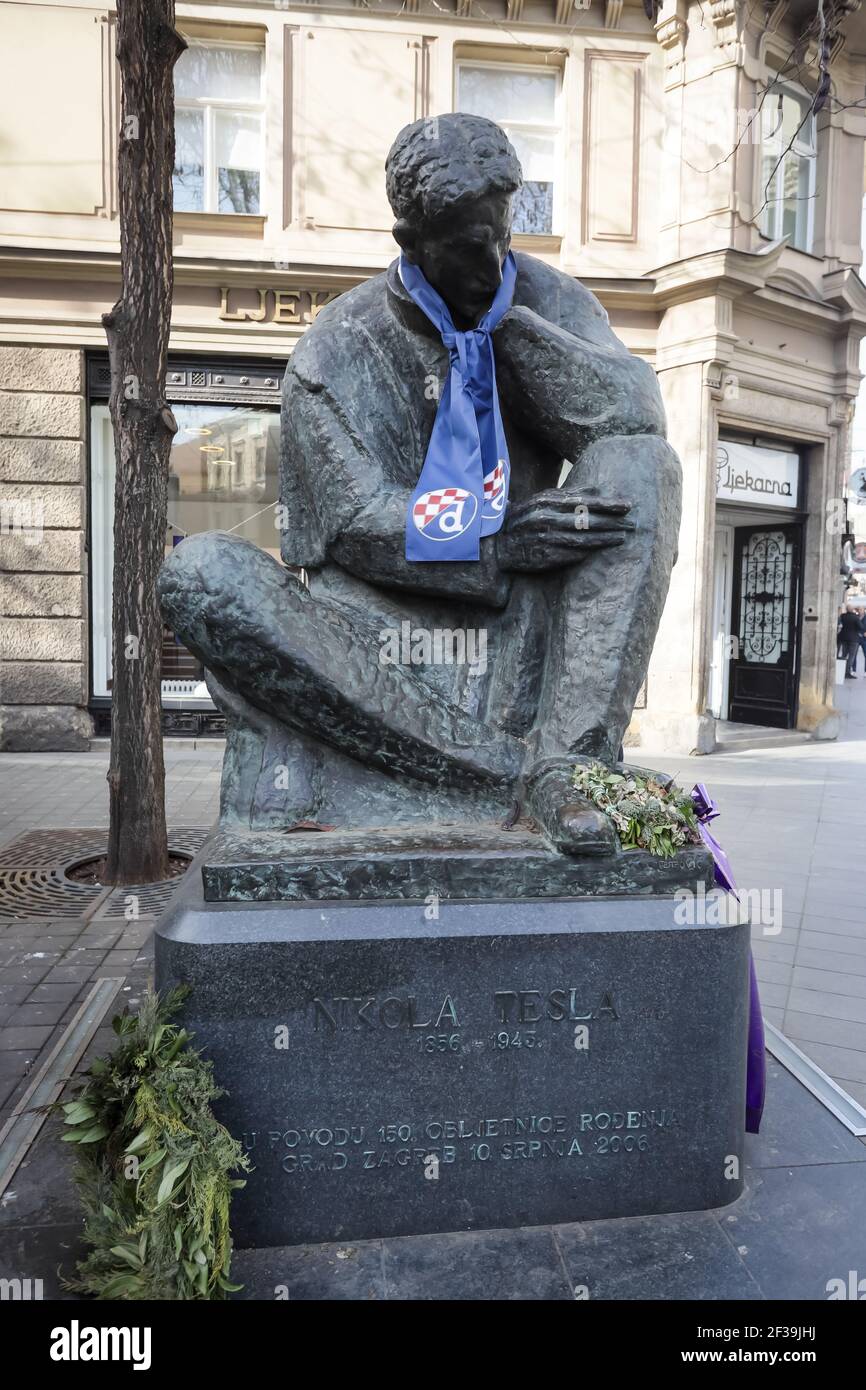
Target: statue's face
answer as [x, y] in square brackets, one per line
[462, 255]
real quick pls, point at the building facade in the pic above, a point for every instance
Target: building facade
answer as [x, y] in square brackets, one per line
[675, 165]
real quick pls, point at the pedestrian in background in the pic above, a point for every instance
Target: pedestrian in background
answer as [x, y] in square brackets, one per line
[849, 633]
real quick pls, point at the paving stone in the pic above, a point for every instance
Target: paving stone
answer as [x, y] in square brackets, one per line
[468, 1266]
[52, 991]
[42, 1191]
[123, 960]
[29, 1015]
[29, 974]
[304, 1273]
[69, 974]
[82, 956]
[45, 1252]
[13, 993]
[815, 1001]
[685, 1257]
[833, 981]
[795, 1129]
[16, 1064]
[133, 938]
[13, 1038]
[845, 1062]
[824, 941]
[796, 1229]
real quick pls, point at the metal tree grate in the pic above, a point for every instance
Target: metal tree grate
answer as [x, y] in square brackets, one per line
[43, 893]
[33, 880]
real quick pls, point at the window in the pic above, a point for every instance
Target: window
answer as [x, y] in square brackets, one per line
[525, 102]
[788, 157]
[218, 128]
[211, 487]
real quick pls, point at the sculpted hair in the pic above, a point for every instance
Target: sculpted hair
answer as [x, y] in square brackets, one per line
[441, 161]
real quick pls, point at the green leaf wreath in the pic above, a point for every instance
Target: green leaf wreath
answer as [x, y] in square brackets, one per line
[646, 814]
[154, 1165]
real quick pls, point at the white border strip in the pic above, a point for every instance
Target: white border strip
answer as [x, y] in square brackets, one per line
[21, 1129]
[822, 1086]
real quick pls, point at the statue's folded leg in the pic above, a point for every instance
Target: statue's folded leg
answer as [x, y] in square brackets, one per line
[607, 610]
[604, 616]
[316, 665]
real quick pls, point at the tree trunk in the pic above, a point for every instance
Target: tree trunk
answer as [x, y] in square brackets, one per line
[137, 329]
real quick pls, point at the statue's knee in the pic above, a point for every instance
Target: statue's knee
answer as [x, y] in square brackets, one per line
[212, 566]
[633, 466]
[665, 462]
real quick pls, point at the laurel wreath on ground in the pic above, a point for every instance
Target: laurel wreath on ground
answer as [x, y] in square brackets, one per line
[155, 1166]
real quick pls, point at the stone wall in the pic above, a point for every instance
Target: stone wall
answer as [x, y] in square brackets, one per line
[43, 574]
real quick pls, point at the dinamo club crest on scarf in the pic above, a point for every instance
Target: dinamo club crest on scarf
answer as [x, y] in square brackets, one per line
[462, 492]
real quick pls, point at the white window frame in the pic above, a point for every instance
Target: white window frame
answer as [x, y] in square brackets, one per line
[209, 105]
[530, 127]
[772, 216]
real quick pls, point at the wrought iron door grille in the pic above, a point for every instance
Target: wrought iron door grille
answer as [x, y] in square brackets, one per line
[765, 596]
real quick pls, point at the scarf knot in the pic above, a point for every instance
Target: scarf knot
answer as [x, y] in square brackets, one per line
[462, 493]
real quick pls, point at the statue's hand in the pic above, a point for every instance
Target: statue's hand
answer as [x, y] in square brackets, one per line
[556, 528]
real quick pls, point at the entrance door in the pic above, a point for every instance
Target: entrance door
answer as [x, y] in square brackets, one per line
[764, 620]
[721, 659]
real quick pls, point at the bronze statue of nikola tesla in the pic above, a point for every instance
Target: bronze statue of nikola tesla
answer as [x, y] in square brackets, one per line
[470, 457]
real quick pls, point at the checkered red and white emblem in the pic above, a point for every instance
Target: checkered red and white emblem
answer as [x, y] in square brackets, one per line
[494, 482]
[432, 503]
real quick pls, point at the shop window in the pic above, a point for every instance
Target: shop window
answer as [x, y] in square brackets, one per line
[218, 128]
[787, 167]
[525, 102]
[223, 476]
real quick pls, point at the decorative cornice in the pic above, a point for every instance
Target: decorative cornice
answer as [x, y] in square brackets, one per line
[728, 18]
[844, 289]
[671, 34]
[733, 273]
[612, 13]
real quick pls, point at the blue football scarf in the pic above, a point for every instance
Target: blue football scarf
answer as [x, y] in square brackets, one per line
[462, 492]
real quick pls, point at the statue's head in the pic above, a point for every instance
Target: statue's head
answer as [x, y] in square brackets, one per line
[451, 182]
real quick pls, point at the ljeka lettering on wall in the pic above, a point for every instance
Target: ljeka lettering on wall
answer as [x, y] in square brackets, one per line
[745, 482]
[756, 474]
[273, 306]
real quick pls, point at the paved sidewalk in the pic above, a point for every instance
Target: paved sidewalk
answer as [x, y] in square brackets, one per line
[791, 821]
[65, 790]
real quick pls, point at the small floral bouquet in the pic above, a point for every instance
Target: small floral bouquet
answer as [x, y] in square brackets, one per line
[646, 814]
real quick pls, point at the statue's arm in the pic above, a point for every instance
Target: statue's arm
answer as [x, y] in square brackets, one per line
[373, 546]
[360, 514]
[567, 390]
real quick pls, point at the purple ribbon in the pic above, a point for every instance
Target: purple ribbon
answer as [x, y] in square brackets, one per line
[756, 1067]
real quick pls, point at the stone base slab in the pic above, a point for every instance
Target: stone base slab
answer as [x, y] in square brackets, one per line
[462, 861]
[392, 1071]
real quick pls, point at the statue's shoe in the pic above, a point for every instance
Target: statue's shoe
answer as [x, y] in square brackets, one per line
[569, 821]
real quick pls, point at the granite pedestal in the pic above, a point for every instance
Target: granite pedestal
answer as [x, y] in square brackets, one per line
[401, 1067]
